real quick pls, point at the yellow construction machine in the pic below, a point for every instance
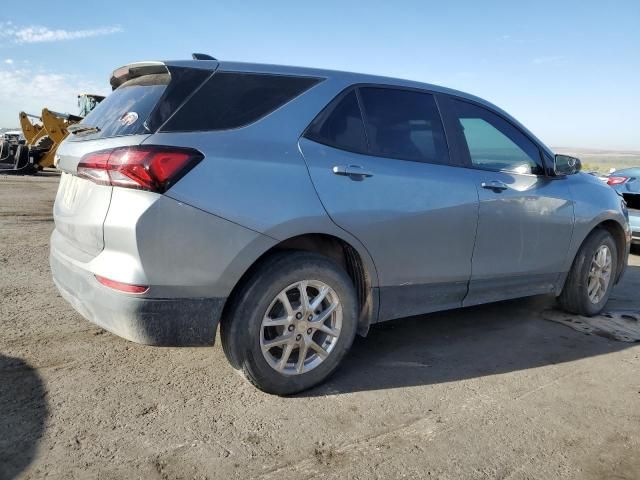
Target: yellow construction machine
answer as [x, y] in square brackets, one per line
[42, 135]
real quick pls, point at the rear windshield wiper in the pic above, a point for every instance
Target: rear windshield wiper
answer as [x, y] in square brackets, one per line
[82, 129]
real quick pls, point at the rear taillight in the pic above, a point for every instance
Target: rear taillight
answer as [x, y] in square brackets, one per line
[617, 180]
[151, 168]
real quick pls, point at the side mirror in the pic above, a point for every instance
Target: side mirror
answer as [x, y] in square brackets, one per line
[566, 165]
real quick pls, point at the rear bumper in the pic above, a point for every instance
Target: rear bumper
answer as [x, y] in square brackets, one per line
[150, 321]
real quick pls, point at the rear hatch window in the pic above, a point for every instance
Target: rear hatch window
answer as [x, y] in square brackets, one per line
[142, 104]
[127, 108]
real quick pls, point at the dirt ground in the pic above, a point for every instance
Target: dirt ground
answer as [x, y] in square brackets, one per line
[486, 392]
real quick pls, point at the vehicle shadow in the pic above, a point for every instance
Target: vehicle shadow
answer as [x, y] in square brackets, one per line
[23, 413]
[472, 342]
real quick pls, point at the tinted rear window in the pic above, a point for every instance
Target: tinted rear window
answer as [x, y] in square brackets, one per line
[231, 100]
[139, 95]
[184, 81]
[404, 124]
[340, 125]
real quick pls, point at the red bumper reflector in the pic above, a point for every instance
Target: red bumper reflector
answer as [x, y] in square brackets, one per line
[123, 287]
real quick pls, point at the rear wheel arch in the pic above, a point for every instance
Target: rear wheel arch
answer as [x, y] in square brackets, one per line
[360, 270]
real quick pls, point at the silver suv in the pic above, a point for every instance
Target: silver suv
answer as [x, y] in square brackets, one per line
[296, 207]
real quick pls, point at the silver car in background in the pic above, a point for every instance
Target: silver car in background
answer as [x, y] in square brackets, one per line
[627, 183]
[296, 207]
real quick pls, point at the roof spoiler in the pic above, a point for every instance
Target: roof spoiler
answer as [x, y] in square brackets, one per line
[133, 70]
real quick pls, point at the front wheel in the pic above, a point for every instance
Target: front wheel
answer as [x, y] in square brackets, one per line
[292, 323]
[592, 275]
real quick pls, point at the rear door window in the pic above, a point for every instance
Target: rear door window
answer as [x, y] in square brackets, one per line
[340, 125]
[232, 100]
[404, 124]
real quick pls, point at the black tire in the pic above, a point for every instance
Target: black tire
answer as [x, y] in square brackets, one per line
[240, 330]
[5, 149]
[574, 297]
[22, 156]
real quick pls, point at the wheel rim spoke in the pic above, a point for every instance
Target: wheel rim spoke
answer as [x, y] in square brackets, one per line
[304, 295]
[285, 303]
[285, 357]
[328, 330]
[302, 353]
[319, 298]
[319, 350]
[322, 317]
[603, 283]
[276, 342]
[277, 322]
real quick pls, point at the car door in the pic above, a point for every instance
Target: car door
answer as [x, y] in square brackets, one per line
[525, 218]
[379, 161]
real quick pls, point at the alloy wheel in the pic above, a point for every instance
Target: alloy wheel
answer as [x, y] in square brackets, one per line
[599, 274]
[301, 327]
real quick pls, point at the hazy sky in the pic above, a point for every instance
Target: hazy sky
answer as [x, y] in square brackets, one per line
[569, 70]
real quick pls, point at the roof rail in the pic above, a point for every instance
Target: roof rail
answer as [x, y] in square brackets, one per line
[202, 56]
